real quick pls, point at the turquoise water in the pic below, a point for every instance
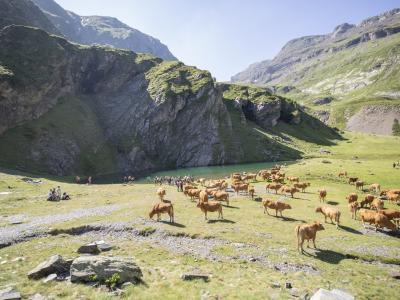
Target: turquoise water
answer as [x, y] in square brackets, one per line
[218, 171]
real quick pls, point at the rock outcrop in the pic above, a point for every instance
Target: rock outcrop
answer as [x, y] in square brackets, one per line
[54, 265]
[99, 30]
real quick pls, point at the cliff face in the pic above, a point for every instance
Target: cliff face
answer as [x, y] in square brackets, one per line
[92, 30]
[72, 109]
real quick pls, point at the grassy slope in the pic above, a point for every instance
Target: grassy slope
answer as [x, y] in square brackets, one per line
[233, 278]
[331, 67]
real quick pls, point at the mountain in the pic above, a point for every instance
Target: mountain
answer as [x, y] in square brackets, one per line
[91, 30]
[24, 13]
[345, 77]
[74, 109]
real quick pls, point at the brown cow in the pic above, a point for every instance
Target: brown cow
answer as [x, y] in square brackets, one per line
[322, 195]
[192, 193]
[210, 206]
[162, 208]
[240, 187]
[377, 219]
[367, 200]
[377, 204]
[342, 174]
[353, 197]
[293, 179]
[393, 197]
[302, 186]
[250, 176]
[353, 207]
[203, 197]
[161, 193]
[353, 180]
[359, 185]
[391, 213]
[221, 196]
[189, 187]
[277, 205]
[273, 186]
[331, 213]
[375, 187]
[289, 190]
[251, 191]
[307, 232]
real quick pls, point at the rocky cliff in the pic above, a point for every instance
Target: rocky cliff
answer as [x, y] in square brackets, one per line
[73, 109]
[92, 30]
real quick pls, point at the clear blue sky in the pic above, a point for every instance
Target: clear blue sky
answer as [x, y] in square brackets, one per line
[225, 36]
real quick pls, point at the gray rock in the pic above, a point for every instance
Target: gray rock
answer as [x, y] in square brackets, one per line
[193, 276]
[55, 264]
[49, 278]
[335, 294]
[9, 294]
[395, 274]
[322, 101]
[89, 249]
[100, 268]
[103, 246]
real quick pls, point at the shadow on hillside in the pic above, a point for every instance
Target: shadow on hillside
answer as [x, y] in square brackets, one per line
[349, 229]
[332, 202]
[173, 224]
[329, 256]
[231, 206]
[221, 221]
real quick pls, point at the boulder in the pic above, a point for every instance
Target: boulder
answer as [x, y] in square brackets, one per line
[100, 268]
[9, 294]
[322, 101]
[55, 264]
[89, 249]
[335, 294]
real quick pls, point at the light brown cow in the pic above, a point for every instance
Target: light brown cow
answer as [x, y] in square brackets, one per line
[250, 176]
[393, 197]
[210, 206]
[377, 204]
[251, 191]
[342, 174]
[353, 180]
[353, 207]
[331, 213]
[293, 179]
[307, 232]
[236, 176]
[322, 195]
[264, 174]
[289, 190]
[367, 200]
[162, 208]
[203, 197]
[221, 196]
[353, 197]
[241, 187]
[192, 193]
[210, 191]
[359, 185]
[273, 186]
[302, 186]
[376, 218]
[161, 193]
[189, 187]
[375, 187]
[202, 181]
[277, 205]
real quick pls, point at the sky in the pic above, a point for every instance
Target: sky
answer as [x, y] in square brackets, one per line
[225, 36]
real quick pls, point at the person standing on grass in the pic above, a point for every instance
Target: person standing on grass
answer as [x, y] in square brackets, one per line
[58, 193]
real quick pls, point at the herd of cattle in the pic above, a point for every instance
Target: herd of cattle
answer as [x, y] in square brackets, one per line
[370, 209]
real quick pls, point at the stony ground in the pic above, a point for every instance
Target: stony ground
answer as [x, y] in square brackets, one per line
[248, 255]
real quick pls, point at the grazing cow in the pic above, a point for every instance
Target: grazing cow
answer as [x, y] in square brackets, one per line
[192, 193]
[240, 187]
[211, 191]
[375, 187]
[353, 180]
[203, 197]
[264, 174]
[377, 204]
[376, 218]
[236, 176]
[322, 195]
[353, 197]
[330, 212]
[393, 197]
[307, 232]
[359, 185]
[302, 186]
[277, 205]
[251, 191]
[223, 186]
[202, 181]
[391, 213]
[289, 190]
[342, 174]
[161, 193]
[189, 187]
[250, 176]
[221, 196]
[293, 179]
[367, 200]
[162, 208]
[210, 206]
[273, 186]
[353, 207]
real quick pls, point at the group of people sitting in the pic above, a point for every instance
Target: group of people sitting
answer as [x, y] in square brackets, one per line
[173, 180]
[56, 195]
[129, 179]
